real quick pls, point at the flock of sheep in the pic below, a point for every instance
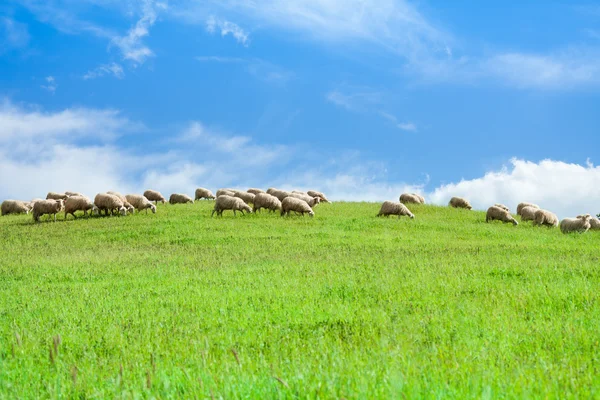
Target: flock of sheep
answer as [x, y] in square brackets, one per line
[273, 200]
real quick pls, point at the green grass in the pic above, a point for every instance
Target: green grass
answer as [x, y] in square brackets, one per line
[341, 305]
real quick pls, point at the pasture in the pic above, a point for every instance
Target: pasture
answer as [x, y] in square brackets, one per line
[178, 304]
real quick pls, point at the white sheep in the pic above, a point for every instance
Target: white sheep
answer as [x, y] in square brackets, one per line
[255, 191]
[202, 193]
[140, 203]
[580, 224]
[314, 193]
[297, 205]
[225, 192]
[311, 201]
[394, 208]
[594, 224]
[525, 204]
[178, 198]
[109, 202]
[50, 207]
[154, 196]
[410, 198]
[70, 194]
[56, 196]
[459, 202]
[280, 194]
[247, 197]
[528, 213]
[499, 214]
[78, 203]
[265, 200]
[545, 218]
[14, 207]
[502, 206]
[126, 204]
[225, 202]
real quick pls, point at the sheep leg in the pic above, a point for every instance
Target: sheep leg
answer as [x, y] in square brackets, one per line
[234, 214]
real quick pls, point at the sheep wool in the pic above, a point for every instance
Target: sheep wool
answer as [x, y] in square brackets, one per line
[459, 202]
[14, 207]
[140, 203]
[528, 213]
[73, 194]
[502, 206]
[409, 198]
[225, 192]
[49, 207]
[202, 193]
[594, 224]
[499, 214]
[178, 198]
[56, 196]
[545, 218]
[225, 202]
[255, 191]
[297, 205]
[580, 224]
[311, 201]
[247, 197]
[109, 203]
[394, 208]
[265, 200]
[314, 193]
[524, 204]
[78, 203]
[154, 196]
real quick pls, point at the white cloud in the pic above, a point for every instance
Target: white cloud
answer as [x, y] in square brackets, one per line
[13, 34]
[105, 69]
[219, 59]
[51, 84]
[566, 189]
[355, 99]
[225, 27]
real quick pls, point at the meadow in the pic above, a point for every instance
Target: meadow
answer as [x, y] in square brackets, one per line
[342, 305]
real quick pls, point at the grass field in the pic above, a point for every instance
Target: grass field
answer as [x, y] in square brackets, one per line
[342, 305]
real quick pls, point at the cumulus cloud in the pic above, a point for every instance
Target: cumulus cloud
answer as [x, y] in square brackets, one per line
[564, 188]
[225, 28]
[105, 69]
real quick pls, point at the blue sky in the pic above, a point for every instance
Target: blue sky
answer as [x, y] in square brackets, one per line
[362, 99]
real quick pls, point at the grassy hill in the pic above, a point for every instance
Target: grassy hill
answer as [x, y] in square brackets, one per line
[342, 305]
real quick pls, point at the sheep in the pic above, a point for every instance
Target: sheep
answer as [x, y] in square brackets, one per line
[546, 218]
[225, 202]
[499, 214]
[280, 194]
[594, 224]
[580, 224]
[154, 196]
[14, 207]
[225, 192]
[126, 204]
[392, 208]
[459, 202]
[70, 194]
[311, 201]
[247, 197]
[202, 193]
[528, 213]
[46, 207]
[409, 198]
[297, 205]
[109, 202]
[502, 206]
[140, 203]
[314, 193]
[255, 191]
[56, 196]
[178, 198]
[523, 205]
[78, 203]
[420, 197]
[299, 192]
[265, 200]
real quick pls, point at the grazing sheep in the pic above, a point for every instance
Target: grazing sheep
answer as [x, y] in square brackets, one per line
[70, 194]
[409, 198]
[280, 194]
[140, 203]
[499, 214]
[225, 192]
[265, 200]
[523, 205]
[247, 197]
[392, 208]
[502, 206]
[56, 196]
[255, 191]
[314, 193]
[14, 207]
[311, 201]
[154, 196]
[225, 202]
[420, 197]
[126, 204]
[594, 224]
[78, 203]
[202, 193]
[459, 202]
[299, 192]
[580, 224]
[109, 202]
[528, 213]
[546, 218]
[297, 205]
[178, 198]
[50, 207]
